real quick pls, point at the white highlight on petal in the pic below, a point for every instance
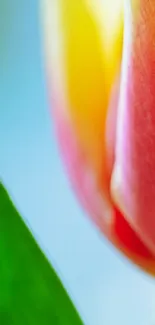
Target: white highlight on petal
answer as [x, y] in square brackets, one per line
[116, 180]
[107, 16]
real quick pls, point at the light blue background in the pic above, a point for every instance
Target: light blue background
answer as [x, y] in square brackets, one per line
[104, 286]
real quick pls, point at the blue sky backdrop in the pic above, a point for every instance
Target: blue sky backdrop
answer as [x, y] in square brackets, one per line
[104, 286]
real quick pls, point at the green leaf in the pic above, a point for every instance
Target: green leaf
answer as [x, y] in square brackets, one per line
[30, 291]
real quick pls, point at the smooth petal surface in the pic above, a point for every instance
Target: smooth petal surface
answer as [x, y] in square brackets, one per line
[119, 232]
[83, 41]
[92, 61]
[134, 175]
[90, 39]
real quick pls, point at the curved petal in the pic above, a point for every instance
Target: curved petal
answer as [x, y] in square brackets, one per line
[120, 233]
[134, 175]
[85, 66]
[92, 62]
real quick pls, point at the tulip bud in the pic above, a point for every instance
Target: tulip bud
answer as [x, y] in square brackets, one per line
[97, 88]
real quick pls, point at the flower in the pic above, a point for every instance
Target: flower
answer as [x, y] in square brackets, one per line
[100, 58]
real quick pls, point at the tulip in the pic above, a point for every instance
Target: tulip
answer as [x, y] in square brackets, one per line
[100, 63]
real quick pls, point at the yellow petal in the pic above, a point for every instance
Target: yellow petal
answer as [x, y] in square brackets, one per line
[92, 36]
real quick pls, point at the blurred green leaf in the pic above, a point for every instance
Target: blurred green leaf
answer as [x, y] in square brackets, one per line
[30, 291]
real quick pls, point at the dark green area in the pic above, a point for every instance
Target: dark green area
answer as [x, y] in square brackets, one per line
[30, 291]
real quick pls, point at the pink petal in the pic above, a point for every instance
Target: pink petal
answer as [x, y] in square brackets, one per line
[133, 183]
